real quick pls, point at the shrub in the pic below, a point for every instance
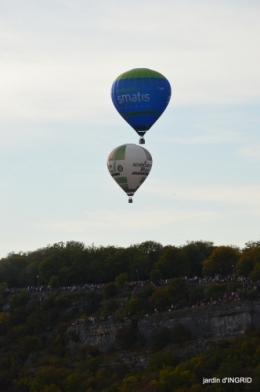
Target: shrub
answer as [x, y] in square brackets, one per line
[109, 290]
[121, 279]
[161, 359]
[159, 339]
[126, 337]
[180, 334]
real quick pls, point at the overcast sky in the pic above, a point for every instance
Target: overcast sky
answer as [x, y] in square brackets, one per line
[58, 60]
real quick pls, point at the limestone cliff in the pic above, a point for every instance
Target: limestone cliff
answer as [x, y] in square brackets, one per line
[223, 320]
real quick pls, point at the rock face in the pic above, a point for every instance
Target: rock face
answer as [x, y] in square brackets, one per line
[224, 320]
[101, 335]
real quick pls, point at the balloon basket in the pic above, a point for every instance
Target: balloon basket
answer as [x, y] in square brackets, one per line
[141, 140]
[130, 200]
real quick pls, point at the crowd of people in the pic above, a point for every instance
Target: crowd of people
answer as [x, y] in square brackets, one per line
[136, 285]
[41, 292]
[66, 289]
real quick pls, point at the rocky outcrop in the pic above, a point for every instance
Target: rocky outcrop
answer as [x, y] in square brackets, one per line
[224, 320]
[101, 335]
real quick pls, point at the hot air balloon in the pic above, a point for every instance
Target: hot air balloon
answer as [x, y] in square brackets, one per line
[141, 96]
[129, 165]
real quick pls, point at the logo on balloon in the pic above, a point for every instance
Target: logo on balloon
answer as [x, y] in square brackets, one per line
[140, 96]
[145, 164]
[134, 98]
[129, 157]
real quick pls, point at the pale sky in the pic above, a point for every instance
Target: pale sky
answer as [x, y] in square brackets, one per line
[58, 60]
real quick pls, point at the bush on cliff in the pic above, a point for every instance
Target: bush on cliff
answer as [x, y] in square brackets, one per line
[126, 337]
[159, 339]
[180, 334]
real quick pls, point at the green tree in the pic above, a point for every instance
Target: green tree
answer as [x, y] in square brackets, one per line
[142, 263]
[249, 295]
[146, 291]
[130, 383]
[172, 294]
[32, 271]
[136, 306]
[153, 249]
[11, 269]
[194, 293]
[50, 266]
[6, 381]
[126, 337]
[215, 290]
[108, 264]
[19, 300]
[3, 288]
[72, 383]
[173, 263]
[93, 364]
[60, 339]
[180, 334]
[197, 252]
[247, 261]
[155, 275]
[121, 280]
[109, 307]
[29, 344]
[49, 378]
[254, 387]
[178, 290]
[161, 359]
[161, 298]
[54, 282]
[51, 388]
[231, 365]
[177, 377]
[221, 261]
[109, 290]
[252, 244]
[255, 274]
[159, 339]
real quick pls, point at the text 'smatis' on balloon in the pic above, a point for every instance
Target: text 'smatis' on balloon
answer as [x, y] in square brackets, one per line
[141, 96]
[129, 165]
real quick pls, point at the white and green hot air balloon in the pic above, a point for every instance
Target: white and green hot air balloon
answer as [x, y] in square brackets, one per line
[129, 165]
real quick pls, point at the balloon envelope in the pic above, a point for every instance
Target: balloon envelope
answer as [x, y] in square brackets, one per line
[141, 96]
[129, 165]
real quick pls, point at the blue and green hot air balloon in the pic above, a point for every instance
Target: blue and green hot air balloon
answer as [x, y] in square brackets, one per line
[141, 96]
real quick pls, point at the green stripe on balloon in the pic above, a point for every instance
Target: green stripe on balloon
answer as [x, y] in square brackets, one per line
[140, 73]
[122, 180]
[140, 113]
[120, 153]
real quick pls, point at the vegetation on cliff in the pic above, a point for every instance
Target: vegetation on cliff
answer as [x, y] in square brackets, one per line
[43, 293]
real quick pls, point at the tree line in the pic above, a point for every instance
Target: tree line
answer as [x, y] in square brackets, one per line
[75, 263]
